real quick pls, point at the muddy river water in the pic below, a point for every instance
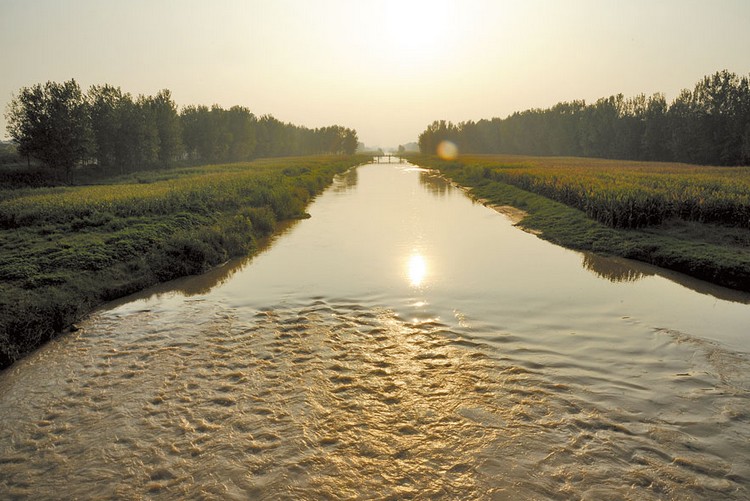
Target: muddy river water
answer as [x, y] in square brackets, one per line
[404, 342]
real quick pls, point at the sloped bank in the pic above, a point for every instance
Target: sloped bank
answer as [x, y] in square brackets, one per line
[710, 252]
[65, 251]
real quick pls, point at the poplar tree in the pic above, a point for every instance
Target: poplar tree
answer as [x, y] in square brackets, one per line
[50, 123]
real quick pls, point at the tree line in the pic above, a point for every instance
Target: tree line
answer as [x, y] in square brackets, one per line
[63, 127]
[709, 125]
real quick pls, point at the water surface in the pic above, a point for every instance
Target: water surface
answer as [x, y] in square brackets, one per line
[403, 342]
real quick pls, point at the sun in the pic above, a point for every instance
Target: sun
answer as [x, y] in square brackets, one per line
[416, 30]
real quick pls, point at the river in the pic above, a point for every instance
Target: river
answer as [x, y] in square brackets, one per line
[404, 342]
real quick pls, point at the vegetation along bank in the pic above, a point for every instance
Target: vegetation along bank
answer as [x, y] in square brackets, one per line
[64, 250]
[688, 218]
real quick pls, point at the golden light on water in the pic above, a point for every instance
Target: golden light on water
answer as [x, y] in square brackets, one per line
[447, 150]
[417, 269]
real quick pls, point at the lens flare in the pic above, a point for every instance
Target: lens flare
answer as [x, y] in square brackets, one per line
[447, 150]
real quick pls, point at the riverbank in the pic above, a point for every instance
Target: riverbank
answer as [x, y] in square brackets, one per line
[715, 252]
[66, 250]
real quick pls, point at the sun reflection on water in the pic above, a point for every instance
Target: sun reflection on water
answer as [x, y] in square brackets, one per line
[417, 269]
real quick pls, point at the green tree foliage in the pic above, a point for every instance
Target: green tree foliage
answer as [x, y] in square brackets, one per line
[219, 135]
[163, 113]
[60, 126]
[133, 134]
[241, 126]
[707, 125]
[204, 133]
[439, 131]
[50, 122]
[105, 105]
[350, 141]
[656, 131]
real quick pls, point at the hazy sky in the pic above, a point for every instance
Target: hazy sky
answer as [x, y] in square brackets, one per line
[385, 68]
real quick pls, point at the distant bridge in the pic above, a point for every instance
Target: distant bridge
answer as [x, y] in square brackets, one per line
[390, 157]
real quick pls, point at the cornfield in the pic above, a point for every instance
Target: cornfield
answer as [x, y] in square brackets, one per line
[624, 194]
[284, 186]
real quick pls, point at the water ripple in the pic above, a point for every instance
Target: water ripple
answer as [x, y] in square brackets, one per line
[336, 399]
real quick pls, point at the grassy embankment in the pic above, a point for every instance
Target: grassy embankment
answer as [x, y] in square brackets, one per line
[692, 219]
[65, 250]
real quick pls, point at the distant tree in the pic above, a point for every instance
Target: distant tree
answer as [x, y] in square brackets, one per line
[599, 127]
[234, 135]
[146, 131]
[270, 140]
[104, 108]
[50, 122]
[349, 144]
[241, 127]
[629, 128]
[57, 124]
[721, 99]
[709, 124]
[565, 128]
[206, 133]
[655, 138]
[133, 134]
[162, 111]
[438, 131]
[190, 119]
[130, 133]
[684, 131]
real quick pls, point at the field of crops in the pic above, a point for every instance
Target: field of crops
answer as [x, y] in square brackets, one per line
[285, 186]
[64, 250]
[622, 194]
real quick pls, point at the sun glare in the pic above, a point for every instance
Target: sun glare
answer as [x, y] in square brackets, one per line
[417, 269]
[415, 31]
